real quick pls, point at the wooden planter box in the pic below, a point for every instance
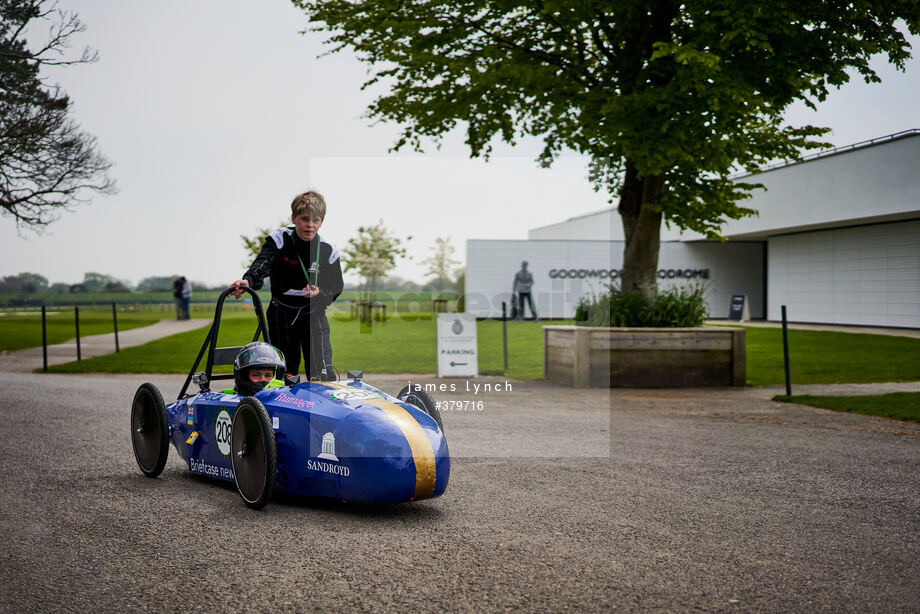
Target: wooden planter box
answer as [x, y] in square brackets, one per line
[597, 357]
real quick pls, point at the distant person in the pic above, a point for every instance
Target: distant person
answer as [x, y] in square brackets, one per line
[177, 294]
[186, 296]
[523, 282]
[306, 276]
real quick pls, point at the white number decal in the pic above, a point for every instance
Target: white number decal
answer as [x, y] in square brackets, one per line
[222, 432]
[354, 394]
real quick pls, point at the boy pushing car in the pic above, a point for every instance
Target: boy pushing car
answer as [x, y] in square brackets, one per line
[306, 277]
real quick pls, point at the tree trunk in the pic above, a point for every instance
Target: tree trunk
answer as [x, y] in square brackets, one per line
[642, 227]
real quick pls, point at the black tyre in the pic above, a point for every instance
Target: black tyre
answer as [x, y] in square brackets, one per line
[149, 430]
[253, 453]
[414, 395]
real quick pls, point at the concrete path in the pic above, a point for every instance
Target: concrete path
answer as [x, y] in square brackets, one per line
[29, 359]
[843, 390]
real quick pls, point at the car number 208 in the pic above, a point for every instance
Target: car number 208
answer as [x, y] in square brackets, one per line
[222, 432]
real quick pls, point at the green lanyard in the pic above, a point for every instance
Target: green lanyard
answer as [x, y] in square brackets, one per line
[314, 268]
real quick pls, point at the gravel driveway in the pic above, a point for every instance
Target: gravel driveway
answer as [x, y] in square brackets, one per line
[559, 500]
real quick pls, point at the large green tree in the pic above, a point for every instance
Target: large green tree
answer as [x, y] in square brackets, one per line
[46, 162]
[25, 283]
[667, 99]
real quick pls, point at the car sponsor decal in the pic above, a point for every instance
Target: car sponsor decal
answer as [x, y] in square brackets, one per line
[276, 424]
[328, 454]
[192, 438]
[191, 415]
[199, 465]
[288, 399]
[330, 468]
[422, 452]
[354, 394]
[222, 432]
[329, 448]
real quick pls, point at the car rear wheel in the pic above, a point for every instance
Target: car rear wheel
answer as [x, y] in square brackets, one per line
[414, 395]
[253, 453]
[149, 430]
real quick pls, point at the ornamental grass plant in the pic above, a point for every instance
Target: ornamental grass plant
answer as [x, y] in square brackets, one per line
[672, 308]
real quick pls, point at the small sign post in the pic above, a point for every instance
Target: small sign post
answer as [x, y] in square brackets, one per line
[786, 353]
[457, 354]
[738, 308]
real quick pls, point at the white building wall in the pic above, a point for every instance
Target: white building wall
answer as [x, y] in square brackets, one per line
[864, 185]
[868, 184]
[842, 232]
[730, 268]
[866, 275]
[736, 268]
[604, 225]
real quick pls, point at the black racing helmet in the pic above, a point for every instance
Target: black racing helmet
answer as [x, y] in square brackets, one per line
[256, 354]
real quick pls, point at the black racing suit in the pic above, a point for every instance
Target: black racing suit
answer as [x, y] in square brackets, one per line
[298, 324]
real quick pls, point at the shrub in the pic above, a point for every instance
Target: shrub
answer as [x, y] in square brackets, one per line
[581, 309]
[674, 307]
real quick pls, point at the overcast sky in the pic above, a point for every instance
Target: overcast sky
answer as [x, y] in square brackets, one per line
[217, 112]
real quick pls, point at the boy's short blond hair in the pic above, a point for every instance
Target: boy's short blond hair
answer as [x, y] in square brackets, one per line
[311, 202]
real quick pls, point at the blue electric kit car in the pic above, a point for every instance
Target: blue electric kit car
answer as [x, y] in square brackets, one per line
[340, 439]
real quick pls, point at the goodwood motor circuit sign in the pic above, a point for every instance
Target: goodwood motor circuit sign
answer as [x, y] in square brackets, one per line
[617, 273]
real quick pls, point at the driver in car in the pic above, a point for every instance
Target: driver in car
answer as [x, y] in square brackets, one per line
[259, 365]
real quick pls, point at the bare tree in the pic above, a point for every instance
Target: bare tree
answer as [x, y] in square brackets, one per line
[47, 164]
[252, 244]
[441, 263]
[373, 253]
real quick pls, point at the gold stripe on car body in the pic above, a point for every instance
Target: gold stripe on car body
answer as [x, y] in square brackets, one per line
[422, 452]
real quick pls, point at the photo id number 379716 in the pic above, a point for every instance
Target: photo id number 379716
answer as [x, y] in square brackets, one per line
[459, 405]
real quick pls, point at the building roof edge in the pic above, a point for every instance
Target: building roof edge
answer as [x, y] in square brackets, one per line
[833, 152]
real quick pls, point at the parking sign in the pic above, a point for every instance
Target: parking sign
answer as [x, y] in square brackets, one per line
[457, 356]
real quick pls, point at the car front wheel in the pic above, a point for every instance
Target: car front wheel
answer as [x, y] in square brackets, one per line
[253, 453]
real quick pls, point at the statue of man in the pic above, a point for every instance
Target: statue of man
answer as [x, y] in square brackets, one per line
[523, 282]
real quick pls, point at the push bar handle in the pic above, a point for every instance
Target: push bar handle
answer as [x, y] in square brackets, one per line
[210, 342]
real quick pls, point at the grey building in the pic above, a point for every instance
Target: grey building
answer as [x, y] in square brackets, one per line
[837, 240]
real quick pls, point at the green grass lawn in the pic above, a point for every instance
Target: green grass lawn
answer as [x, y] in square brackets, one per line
[398, 346]
[822, 357]
[19, 329]
[897, 405]
[404, 345]
[105, 299]
[173, 354]
[205, 297]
